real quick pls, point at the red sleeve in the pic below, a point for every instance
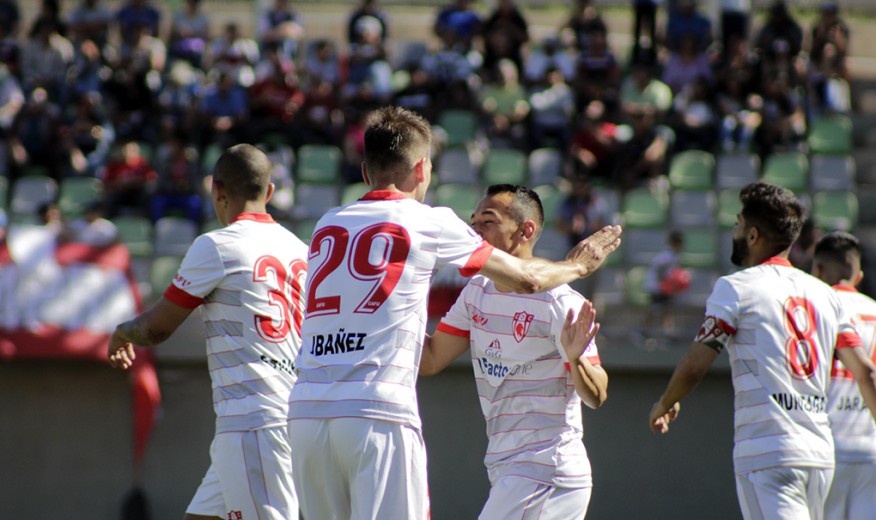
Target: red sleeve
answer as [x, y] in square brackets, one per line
[182, 298]
[594, 360]
[848, 339]
[477, 260]
[453, 331]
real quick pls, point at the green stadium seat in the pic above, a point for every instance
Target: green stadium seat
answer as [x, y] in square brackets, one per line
[835, 210]
[77, 193]
[136, 234]
[692, 170]
[460, 125]
[643, 208]
[735, 170]
[455, 166]
[788, 169]
[31, 192]
[700, 248]
[830, 135]
[729, 206]
[208, 160]
[634, 288]
[692, 208]
[832, 172]
[161, 273]
[461, 198]
[504, 166]
[319, 164]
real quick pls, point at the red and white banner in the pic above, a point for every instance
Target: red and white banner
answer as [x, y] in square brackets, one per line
[62, 301]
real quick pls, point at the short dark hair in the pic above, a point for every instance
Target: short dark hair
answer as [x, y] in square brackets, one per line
[841, 249]
[526, 206]
[775, 211]
[395, 139]
[245, 172]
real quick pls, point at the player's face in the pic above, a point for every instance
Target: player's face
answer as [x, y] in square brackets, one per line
[492, 220]
[739, 253]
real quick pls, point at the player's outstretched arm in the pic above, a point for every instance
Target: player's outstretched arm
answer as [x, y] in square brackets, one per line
[856, 360]
[532, 275]
[688, 374]
[149, 328]
[440, 350]
[591, 382]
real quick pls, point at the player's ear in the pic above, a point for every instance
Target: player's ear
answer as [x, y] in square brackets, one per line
[858, 278]
[365, 176]
[269, 192]
[528, 229]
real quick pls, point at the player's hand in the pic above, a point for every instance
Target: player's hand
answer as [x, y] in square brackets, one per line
[593, 250]
[578, 333]
[121, 353]
[662, 416]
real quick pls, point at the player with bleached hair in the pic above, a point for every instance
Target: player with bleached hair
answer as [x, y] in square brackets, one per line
[534, 363]
[852, 495]
[781, 328]
[247, 278]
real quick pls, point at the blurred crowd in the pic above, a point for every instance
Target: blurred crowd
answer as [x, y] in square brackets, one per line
[141, 103]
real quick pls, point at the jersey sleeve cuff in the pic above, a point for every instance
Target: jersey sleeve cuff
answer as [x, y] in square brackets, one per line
[176, 295]
[477, 260]
[848, 339]
[453, 331]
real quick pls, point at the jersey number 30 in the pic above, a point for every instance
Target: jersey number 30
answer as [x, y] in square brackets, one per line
[377, 254]
[284, 295]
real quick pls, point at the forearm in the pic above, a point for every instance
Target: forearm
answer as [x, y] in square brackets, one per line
[139, 332]
[591, 383]
[690, 371]
[542, 275]
[867, 385]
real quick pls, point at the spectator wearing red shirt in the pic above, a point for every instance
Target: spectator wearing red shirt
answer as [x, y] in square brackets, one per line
[127, 178]
[275, 100]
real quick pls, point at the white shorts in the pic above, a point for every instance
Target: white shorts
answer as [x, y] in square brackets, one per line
[783, 493]
[518, 497]
[250, 476]
[853, 492]
[359, 469]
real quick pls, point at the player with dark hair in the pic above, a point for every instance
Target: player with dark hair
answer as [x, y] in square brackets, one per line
[781, 327]
[534, 364]
[247, 277]
[852, 495]
[353, 413]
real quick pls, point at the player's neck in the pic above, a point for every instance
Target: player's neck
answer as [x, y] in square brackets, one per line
[251, 206]
[521, 253]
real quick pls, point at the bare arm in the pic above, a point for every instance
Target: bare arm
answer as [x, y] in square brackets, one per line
[440, 350]
[855, 359]
[149, 328]
[532, 275]
[591, 382]
[688, 374]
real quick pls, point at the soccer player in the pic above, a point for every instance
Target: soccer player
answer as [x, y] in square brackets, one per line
[353, 412]
[534, 363]
[780, 327]
[852, 495]
[247, 278]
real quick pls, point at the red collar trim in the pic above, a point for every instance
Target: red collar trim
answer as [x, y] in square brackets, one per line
[777, 260]
[844, 288]
[383, 195]
[255, 217]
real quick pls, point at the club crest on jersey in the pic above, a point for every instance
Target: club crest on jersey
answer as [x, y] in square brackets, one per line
[521, 323]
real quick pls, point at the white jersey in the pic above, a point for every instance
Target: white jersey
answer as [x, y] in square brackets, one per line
[529, 401]
[780, 326]
[854, 431]
[370, 266]
[247, 277]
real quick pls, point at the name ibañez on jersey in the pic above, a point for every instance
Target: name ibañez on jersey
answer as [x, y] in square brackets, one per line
[340, 342]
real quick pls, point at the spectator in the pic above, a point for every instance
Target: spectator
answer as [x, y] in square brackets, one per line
[9, 16]
[418, 95]
[739, 114]
[779, 26]
[641, 90]
[321, 64]
[505, 32]
[829, 29]
[276, 100]
[686, 65]
[664, 281]
[146, 54]
[460, 20]
[582, 212]
[642, 158]
[594, 145]
[11, 101]
[127, 179]
[322, 115]
[583, 20]
[189, 33]
[179, 97]
[224, 111]
[49, 217]
[687, 20]
[92, 228]
[783, 123]
[366, 63]
[366, 8]
[178, 180]
[451, 74]
[86, 74]
[735, 21]
[90, 21]
[505, 106]
[235, 55]
[694, 119]
[35, 135]
[87, 137]
[552, 106]
[133, 14]
[828, 87]
[597, 74]
[645, 32]
[44, 58]
[280, 25]
[549, 54]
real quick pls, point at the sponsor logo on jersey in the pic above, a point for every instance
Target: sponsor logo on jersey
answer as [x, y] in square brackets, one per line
[283, 365]
[479, 319]
[495, 349]
[521, 323]
[807, 403]
[500, 370]
[182, 282]
[338, 343]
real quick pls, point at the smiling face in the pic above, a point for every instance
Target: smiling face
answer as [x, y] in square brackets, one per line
[493, 219]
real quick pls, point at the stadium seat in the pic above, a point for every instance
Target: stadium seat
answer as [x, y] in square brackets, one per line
[504, 166]
[302, 228]
[728, 207]
[76, 193]
[461, 198]
[551, 200]
[174, 235]
[609, 288]
[692, 208]
[835, 210]
[29, 193]
[700, 248]
[642, 245]
[353, 192]
[643, 208]
[409, 53]
[313, 200]
[211, 155]
[702, 281]
[319, 163]
[634, 287]
[552, 244]
[832, 172]
[136, 234]
[460, 125]
[161, 273]
[545, 166]
[788, 169]
[456, 166]
[830, 135]
[736, 170]
[612, 199]
[692, 170]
